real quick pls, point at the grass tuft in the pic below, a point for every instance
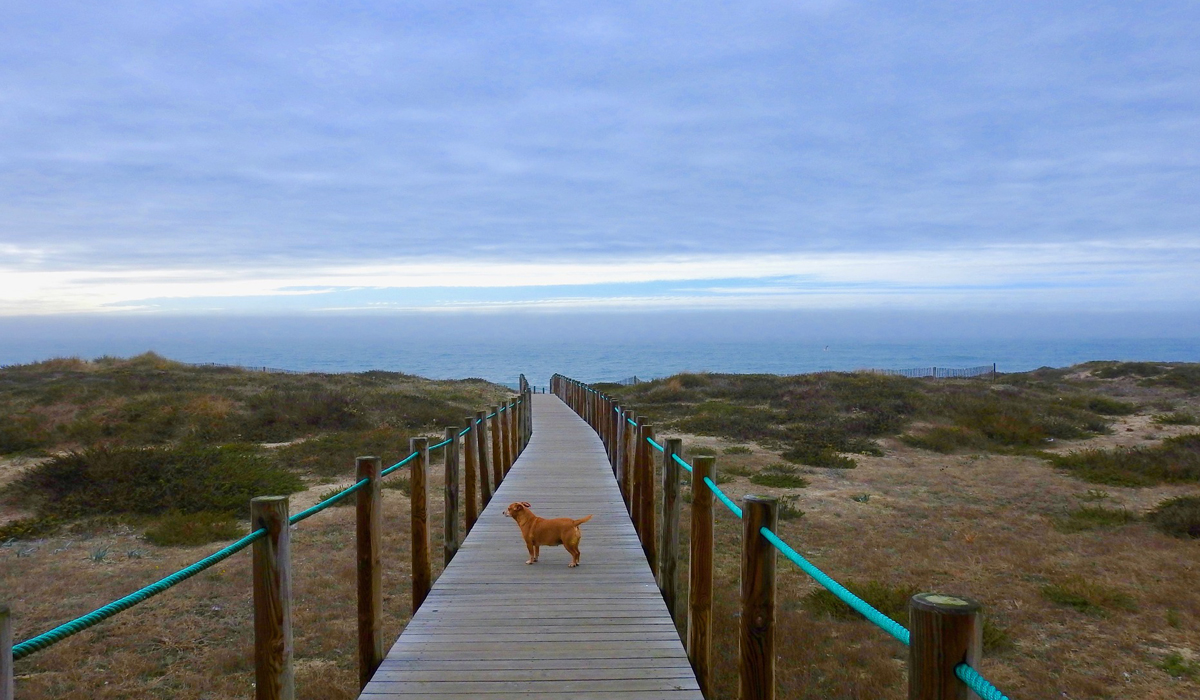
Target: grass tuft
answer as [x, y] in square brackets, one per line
[1094, 517]
[1175, 460]
[193, 529]
[1088, 597]
[1176, 418]
[1178, 517]
[1179, 667]
[779, 475]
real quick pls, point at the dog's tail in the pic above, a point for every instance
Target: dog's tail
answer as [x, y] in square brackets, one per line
[581, 521]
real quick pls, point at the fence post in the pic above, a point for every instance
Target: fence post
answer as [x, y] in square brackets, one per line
[668, 567]
[619, 454]
[505, 452]
[631, 430]
[422, 567]
[481, 454]
[273, 672]
[471, 511]
[756, 666]
[637, 439]
[368, 530]
[514, 439]
[700, 572]
[497, 451]
[946, 631]
[6, 654]
[450, 533]
[647, 509]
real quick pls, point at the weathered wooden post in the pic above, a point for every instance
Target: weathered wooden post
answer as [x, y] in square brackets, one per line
[946, 631]
[497, 450]
[422, 567]
[514, 435]
[618, 456]
[471, 512]
[450, 532]
[756, 664]
[368, 529]
[627, 458]
[506, 456]
[481, 454]
[6, 654]
[274, 674]
[636, 483]
[700, 572]
[647, 507]
[668, 567]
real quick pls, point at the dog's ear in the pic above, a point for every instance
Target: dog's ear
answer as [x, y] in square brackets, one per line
[525, 503]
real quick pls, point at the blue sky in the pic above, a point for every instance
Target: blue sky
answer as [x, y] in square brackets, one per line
[280, 158]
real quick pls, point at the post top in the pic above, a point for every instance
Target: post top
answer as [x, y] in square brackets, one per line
[944, 603]
[752, 498]
[269, 499]
[365, 458]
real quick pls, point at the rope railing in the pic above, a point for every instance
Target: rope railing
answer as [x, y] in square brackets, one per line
[508, 438]
[595, 404]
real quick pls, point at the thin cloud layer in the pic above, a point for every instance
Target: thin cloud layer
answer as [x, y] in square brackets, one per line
[170, 157]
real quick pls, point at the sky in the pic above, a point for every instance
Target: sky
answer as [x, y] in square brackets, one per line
[242, 158]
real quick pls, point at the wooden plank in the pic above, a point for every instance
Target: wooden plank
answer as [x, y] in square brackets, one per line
[494, 627]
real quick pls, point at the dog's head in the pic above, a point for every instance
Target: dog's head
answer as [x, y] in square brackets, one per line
[514, 508]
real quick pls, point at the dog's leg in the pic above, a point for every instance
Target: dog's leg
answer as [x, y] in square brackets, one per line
[537, 549]
[532, 552]
[574, 550]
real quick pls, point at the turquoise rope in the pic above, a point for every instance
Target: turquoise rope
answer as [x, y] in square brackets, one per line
[399, 464]
[63, 631]
[682, 463]
[655, 445]
[886, 623]
[978, 683]
[308, 512]
[724, 499]
[633, 423]
[440, 445]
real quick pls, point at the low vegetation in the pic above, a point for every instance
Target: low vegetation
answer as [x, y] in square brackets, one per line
[1088, 596]
[1174, 460]
[1178, 517]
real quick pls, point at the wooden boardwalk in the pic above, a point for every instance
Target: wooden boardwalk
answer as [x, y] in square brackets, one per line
[496, 628]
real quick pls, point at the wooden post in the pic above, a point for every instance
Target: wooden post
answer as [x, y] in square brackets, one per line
[627, 459]
[450, 533]
[6, 654]
[481, 453]
[273, 672]
[700, 573]
[471, 512]
[422, 567]
[505, 451]
[649, 529]
[756, 665]
[668, 557]
[514, 440]
[497, 451]
[636, 483]
[368, 531]
[946, 631]
[619, 455]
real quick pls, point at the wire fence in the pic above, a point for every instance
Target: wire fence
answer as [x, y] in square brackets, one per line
[937, 372]
[968, 675]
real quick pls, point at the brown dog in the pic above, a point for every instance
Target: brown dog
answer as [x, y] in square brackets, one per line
[546, 531]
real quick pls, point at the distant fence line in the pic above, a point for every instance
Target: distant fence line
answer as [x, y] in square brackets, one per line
[936, 372]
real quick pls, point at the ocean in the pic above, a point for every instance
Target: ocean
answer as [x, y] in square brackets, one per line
[487, 352]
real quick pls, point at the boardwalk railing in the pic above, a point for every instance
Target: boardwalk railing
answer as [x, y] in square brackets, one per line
[503, 433]
[945, 631]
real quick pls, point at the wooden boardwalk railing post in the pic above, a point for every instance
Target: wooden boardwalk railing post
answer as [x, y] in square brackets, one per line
[422, 567]
[6, 657]
[627, 458]
[700, 572]
[471, 510]
[638, 438]
[668, 557]
[368, 531]
[756, 664]
[506, 458]
[481, 454]
[274, 674]
[450, 532]
[497, 451]
[618, 456]
[946, 631]
[646, 510]
[514, 429]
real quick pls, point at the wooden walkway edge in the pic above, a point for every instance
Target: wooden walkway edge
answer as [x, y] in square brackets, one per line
[496, 628]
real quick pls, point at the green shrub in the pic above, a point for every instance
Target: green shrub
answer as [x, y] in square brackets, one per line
[787, 509]
[700, 450]
[1088, 596]
[1126, 369]
[1186, 377]
[330, 493]
[333, 455]
[1179, 667]
[1175, 460]
[779, 476]
[1094, 517]
[892, 601]
[28, 528]
[1176, 418]
[193, 529]
[397, 483]
[826, 458]
[1103, 405]
[946, 439]
[1178, 517]
[188, 479]
[734, 470]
